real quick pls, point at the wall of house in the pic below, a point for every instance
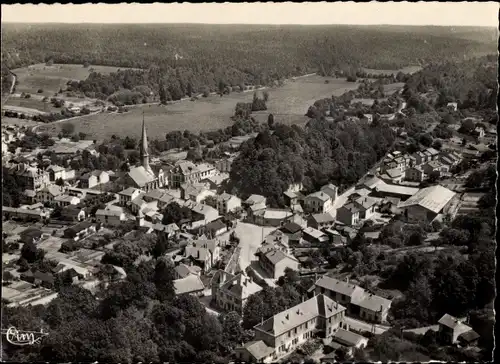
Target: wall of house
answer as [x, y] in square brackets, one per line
[279, 268]
[297, 336]
[346, 217]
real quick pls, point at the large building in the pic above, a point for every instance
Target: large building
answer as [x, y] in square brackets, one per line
[230, 293]
[143, 176]
[283, 333]
[427, 203]
[358, 301]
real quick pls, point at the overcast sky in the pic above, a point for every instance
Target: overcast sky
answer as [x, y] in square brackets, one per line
[422, 13]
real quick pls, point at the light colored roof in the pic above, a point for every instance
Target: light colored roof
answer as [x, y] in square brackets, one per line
[275, 256]
[373, 182]
[400, 190]
[322, 218]
[241, 286]
[276, 214]
[366, 202]
[226, 197]
[255, 199]
[53, 190]
[432, 151]
[394, 172]
[108, 213]
[218, 178]
[205, 210]
[170, 228]
[433, 164]
[319, 305]
[141, 176]
[184, 270]
[258, 349]
[335, 285]
[316, 234]
[330, 189]
[186, 167]
[323, 196]
[453, 323]
[347, 338]
[371, 302]
[189, 284]
[129, 191]
[65, 198]
[432, 198]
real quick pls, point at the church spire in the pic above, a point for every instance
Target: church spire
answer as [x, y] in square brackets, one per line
[144, 147]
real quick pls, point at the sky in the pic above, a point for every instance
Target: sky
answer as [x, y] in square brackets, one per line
[397, 13]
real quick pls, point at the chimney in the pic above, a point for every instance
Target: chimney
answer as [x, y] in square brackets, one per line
[287, 316]
[347, 280]
[381, 308]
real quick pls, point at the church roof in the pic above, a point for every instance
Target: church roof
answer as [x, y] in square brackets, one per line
[143, 146]
[141, 176]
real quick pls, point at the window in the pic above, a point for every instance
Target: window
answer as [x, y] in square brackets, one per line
[289, 333]
[282, 348]
[295, 331]
[306, 325]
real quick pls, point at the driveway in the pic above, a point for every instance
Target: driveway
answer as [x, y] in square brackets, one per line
[251, 236]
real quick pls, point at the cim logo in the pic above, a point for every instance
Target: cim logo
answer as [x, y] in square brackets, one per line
[20, 337]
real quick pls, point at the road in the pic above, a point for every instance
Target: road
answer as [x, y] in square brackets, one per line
[365, 326]
[11, 89]
[251, 236]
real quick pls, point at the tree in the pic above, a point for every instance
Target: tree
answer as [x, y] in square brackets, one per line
[437, 144]
[67, 129]
[86, 64]
[232, 332]
[266, 96]
[270, 121]
[163, 279]
[162, 93]
[425, 139]
[160, 248]
[29, 252]
[253, 311]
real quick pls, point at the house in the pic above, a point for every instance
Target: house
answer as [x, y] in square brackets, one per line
[94, 178]
[272, 217]
[32, 178]
[314, 236]
[350, 339]
[161, 196]
[196, 192]
[274, 262]
[58, 172]
[468, 339]
[321, 201]
[66, 200]
[232, 293]
[278, 240]
[255, 200]
[215, 228]
[184, 172]
[224, 165]
[320, 221]
[366, 206]
[358, 301]
[126, 196]
[393, 175]
[204, 253]
[227, 203]
[255, 351]
[291, 328]
[110, 217]
[414, 174]
[336, 239]
[48, 194]
[80, 230]
[431, 167]
[291, 198]
[434, 154]
[389, 205]
[427, 203]
[192, 284]
[451, 329]
[39, 278]
[30, 235]
[202, 214]
[349, 214]
[73, 213]
[216, 181]
[183, 270]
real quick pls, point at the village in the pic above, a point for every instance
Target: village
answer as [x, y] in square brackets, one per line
[225, 248]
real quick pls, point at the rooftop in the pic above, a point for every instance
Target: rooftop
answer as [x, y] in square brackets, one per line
[141, 176]
[319, 305]
[258, 349]
[241, 286]
[347, 338]
[323, 218]
[399, 190]
[189, 284]
[432, 198]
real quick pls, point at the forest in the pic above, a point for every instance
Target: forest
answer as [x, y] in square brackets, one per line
[321, 153]
[179, 60]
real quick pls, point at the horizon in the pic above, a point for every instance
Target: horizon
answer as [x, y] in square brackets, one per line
[440, 14]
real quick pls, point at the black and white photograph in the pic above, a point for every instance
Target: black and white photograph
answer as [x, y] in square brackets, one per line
[249, 182]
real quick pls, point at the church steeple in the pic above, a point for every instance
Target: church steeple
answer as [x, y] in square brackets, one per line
[144, 147]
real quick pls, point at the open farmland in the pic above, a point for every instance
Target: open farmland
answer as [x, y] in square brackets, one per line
[51, 78]
[288, 104]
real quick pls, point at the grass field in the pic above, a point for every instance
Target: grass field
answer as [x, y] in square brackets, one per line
[288, 104]
[51, 78]
[19, 122]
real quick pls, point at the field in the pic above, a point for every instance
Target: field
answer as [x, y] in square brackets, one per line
[51, 78]
[288, 104]
[409, 69]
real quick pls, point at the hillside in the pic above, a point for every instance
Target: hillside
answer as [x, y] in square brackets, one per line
[188, 56]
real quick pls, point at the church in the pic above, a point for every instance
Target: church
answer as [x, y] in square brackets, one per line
[142, 176]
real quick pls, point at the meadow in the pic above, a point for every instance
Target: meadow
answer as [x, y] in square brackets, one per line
[51, 78]
[288, 104]
[409, 69]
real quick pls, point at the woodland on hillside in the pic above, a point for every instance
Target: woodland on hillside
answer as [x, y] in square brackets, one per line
[180, 60]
